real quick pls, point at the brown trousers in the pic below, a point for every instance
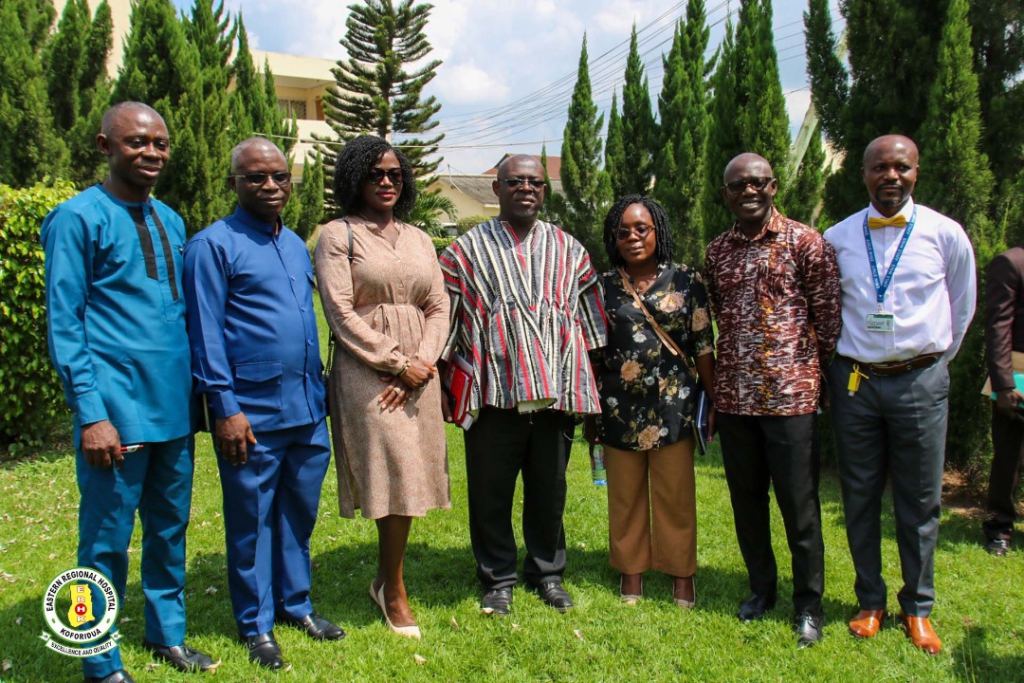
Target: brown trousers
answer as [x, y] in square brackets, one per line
[652, 509]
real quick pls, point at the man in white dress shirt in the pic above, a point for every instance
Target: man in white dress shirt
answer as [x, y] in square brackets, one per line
[908, 295]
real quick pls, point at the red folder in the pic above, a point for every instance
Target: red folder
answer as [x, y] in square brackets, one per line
[459, 383]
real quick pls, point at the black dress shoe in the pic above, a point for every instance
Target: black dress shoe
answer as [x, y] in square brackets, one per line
[264, 651]
[119, 676]
[497, 601]
[808, 629]
[755, 607]
[555, 595]
[998, 547]
[315, 626]
[182, 657]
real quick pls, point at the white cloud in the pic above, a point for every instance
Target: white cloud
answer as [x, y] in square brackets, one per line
[469, 84]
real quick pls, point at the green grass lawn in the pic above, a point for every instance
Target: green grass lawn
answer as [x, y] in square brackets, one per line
[979, 613]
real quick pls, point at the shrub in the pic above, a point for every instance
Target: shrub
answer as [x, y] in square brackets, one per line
[31, 396]
[441, 243]
[464, 225]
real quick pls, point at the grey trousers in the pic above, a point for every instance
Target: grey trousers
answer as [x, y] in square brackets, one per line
[893, 426]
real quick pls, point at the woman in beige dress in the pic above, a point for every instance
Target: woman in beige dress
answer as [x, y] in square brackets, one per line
[384, 299]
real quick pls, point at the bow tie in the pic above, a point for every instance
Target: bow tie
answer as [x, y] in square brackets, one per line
[897, 221]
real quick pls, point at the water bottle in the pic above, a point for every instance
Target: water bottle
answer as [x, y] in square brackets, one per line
[597, 469]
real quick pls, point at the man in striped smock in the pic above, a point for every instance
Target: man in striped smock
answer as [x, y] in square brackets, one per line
[526, 309]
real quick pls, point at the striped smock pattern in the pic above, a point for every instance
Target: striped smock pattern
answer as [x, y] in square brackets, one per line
[524, 316]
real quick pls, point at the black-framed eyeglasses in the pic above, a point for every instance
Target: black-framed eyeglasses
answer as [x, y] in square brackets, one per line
[376, 175]
[260, 179]
[758, 183]
[641, 231]
[513, 183]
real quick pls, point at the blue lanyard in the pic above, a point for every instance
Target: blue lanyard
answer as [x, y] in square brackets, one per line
[881, 286]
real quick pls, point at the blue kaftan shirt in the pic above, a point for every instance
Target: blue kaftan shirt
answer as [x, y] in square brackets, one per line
[116, 315]
[252, 325]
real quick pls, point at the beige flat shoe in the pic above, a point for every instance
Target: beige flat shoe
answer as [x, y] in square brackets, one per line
[682, 603]
[407, 631]
[628, 598]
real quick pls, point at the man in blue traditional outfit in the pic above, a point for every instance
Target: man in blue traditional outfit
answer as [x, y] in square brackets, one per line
[256, 360]
[116, 331]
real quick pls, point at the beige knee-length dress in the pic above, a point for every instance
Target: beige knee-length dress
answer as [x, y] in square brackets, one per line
[388, 304]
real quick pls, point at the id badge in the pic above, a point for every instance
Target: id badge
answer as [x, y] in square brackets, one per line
[881, 322]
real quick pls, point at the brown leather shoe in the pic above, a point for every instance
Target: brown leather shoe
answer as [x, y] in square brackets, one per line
[920, 632]
[867, 622]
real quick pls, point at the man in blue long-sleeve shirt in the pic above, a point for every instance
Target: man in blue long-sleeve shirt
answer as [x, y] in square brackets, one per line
[248, 286]
[116, 330]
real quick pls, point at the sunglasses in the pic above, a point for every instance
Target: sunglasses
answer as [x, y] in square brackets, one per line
[519, 182]
[738, 186]
[641, 231]
[259, 179]
[376, 175]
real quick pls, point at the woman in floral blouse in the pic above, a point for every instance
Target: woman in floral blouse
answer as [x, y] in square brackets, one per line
[647, 400]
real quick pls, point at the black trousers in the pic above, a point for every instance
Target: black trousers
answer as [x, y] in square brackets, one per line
[1007, 447]
[501, 444]
[762, 450]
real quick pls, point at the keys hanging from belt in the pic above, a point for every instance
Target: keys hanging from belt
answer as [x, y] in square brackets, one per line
[855, 377]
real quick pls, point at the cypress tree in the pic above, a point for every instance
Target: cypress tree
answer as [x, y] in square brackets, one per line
[77, 85]
[63, 60]
[615, 151]
[804, 194]
[763, 120]
[87, 165]
[29, 147]
[212, 36]
[311, 197]
[683, 108]
[723, 136]
[375, 91]
[827, 73]
[885, 95]
[637, 126]
[587, 189]
[162, 68]
[253, 102]
[959, 186]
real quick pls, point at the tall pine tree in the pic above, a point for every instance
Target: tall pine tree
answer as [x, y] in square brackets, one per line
[683, 110]
[78, 88]
[253, 102]
[885, 95]
[376, 92]
[763, 120]
[163, 69]
[29, 146]
[586, 188]
[637, 126]
[212, 36]
[805, 188]
[310, 197]
[615, 151]
[959, 185]
[723, 136]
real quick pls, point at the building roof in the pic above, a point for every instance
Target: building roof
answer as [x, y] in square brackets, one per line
[554, 168]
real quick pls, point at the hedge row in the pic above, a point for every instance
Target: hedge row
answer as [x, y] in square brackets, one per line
[31, 397]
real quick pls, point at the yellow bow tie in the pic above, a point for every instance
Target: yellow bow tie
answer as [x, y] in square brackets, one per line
[897, 221]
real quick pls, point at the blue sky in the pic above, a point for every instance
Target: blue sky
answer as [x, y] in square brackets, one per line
[509, 65]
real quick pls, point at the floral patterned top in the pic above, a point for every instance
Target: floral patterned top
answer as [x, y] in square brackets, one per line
[646, 391]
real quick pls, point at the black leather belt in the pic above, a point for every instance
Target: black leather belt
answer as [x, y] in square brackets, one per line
[898, 367]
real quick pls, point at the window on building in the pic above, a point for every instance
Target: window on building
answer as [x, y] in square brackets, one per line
[293, 109]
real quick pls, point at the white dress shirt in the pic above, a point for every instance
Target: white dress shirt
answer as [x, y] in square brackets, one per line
[932, 294]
